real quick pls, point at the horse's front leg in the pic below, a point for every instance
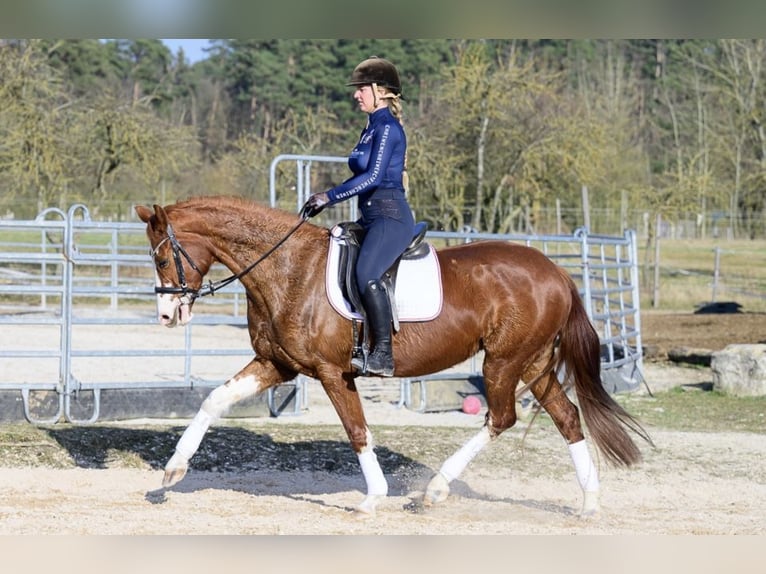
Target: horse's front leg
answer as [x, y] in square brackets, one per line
[253, 379]
[342, 392]
[377, 486]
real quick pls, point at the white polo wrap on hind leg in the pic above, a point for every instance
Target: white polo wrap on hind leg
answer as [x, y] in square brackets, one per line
[455, 465]
[586, 472]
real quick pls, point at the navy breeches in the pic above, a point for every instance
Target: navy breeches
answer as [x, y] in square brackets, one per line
[389, 225]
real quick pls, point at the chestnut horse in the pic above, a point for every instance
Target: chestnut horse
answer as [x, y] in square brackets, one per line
[506, 299]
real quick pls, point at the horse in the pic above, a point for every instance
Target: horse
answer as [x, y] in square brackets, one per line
[508, 300]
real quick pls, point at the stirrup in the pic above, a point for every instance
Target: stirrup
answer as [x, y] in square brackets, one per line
[359, 363]
[382, 372]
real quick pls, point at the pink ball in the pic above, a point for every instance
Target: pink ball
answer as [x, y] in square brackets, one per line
[471, 405]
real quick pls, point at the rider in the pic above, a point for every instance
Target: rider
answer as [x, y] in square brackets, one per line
[378, 163]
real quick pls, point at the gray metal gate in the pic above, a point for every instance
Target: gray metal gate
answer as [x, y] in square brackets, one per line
[606, 272]
[605, 269]
[72, 289]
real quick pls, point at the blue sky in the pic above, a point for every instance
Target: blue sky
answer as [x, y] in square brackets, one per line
[192, 47]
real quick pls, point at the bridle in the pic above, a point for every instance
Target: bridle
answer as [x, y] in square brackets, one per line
[188, 295]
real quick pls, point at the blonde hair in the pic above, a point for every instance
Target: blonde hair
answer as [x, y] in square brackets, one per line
[395, 107]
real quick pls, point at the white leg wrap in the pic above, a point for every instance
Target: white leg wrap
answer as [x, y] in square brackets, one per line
[373, 474]
[586, 472]
[192, 437]
[213, 407]
[222, 398]
[455, 465]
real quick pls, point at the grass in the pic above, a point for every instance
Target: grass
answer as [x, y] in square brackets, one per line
[680, 409]
[687, 274]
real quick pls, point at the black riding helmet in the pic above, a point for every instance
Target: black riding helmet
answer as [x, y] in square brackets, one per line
[378, 71]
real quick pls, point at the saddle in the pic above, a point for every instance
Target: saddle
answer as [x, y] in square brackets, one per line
[350, 236]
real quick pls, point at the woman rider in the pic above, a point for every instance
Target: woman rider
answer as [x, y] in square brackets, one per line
[379, 171]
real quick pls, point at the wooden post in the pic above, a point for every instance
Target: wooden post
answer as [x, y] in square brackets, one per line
[716, 272]
[585, 208]
[623, 212]
[558, 216]
[656, 294]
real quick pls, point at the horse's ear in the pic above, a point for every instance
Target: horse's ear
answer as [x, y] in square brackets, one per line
[144, 213]
[160, 218]
[157, 218]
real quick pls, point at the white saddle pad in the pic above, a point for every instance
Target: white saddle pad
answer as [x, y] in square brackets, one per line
[418, 286]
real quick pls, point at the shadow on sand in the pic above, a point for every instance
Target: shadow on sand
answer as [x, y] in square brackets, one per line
[260, 464]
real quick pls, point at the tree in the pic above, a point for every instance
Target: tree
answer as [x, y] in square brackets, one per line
[56, 149]
[499, 130]
[33, 154]
[143, 65]
[515, 138]
[84, 65]
[741, 89]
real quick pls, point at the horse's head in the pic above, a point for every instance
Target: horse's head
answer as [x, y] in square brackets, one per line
[181, 261]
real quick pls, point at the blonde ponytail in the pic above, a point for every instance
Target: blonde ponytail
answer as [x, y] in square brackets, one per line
[395, 107]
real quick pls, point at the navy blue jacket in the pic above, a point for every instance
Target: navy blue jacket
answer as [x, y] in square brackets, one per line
[377, 161]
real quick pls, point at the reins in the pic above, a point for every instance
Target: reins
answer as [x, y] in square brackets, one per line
[188, 295]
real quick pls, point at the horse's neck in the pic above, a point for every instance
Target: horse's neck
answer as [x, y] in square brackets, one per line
[229, 223]
[239, 241]
[241, 235]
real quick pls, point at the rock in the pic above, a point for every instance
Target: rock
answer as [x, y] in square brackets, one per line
[740, 370]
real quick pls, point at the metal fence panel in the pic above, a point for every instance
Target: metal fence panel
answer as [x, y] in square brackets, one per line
[605, 269]
[64, 276]
[71, 299]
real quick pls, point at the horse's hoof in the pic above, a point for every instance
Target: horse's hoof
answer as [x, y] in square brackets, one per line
[593, 515]
[437, 491]
[173, 476]
[367, 508]
[590, 506]
[364, 513]
[175, 470]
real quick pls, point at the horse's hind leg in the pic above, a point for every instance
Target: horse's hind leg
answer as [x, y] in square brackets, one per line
[256, 377]
[500, 380]
[438, 488]
[565, 416]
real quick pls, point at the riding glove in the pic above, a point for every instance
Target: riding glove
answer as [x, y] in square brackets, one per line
[315, 204]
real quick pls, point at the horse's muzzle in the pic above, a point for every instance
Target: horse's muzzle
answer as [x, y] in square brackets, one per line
[174, 311]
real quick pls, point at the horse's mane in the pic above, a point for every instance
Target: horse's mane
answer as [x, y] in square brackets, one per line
[222, 203]
[226, 208]
[232, 204]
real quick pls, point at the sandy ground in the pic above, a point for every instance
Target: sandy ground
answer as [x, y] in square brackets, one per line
[691, 483]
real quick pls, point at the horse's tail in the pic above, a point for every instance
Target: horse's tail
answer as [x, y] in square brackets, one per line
[579, 351]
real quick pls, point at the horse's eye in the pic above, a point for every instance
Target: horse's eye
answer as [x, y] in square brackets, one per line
[163, 263]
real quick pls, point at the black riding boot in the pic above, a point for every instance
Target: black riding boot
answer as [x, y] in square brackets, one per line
[380, 361]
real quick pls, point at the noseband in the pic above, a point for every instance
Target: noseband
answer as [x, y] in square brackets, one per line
[188, 295]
